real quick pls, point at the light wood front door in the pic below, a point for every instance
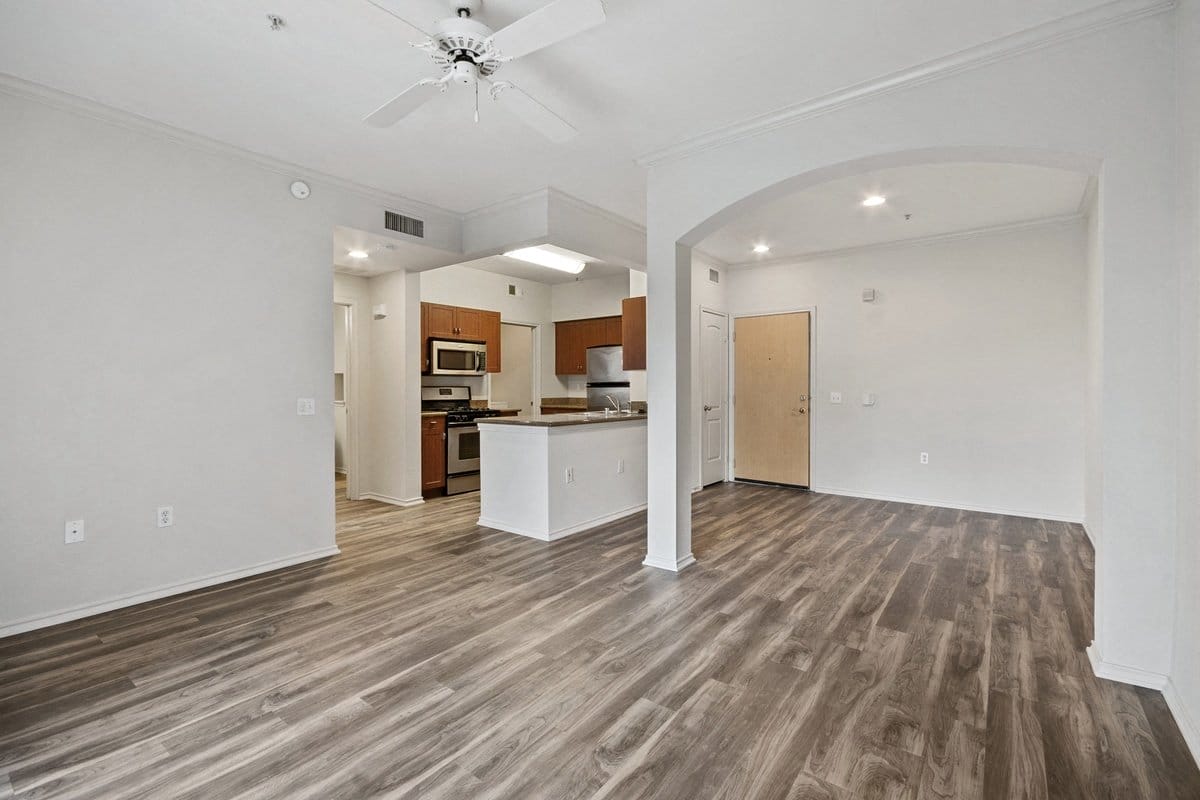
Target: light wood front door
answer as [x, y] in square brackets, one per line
[771, 398]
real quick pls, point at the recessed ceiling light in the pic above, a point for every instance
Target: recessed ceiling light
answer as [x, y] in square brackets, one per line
[357, 254]
[762, 248]
[874, 200]
[548, 258]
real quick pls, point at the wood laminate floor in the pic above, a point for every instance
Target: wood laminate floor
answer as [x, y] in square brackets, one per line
[823, 647]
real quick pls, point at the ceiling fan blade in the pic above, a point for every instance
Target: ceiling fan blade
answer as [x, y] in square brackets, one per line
[403, 104]
[419, 14]
[549, 24]
[533, 113]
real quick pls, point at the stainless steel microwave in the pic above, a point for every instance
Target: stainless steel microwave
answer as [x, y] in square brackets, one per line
[457, 358]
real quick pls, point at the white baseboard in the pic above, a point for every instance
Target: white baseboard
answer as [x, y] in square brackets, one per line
[670, 566]
[918, 501]
[91, 609]
[1184, 718]
[1123, 674]
[561, 533]
[394, 501]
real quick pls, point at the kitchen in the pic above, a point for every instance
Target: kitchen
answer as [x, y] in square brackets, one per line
[466, 312]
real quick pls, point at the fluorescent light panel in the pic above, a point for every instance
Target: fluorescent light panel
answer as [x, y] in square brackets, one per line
[548, 258]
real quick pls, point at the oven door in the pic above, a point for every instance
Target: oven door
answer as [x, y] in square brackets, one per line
[457, 358]
[462, 448]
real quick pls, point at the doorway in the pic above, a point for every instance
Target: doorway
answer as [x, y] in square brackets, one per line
[772, 398]
[514, 386]
[344, 433]
[714, 390]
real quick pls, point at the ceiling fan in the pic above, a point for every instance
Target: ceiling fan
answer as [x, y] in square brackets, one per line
[469, 53]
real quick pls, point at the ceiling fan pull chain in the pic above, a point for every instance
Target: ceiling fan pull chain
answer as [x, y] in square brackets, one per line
[477, 101]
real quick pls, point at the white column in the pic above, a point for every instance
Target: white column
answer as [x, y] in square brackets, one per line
[668, 396]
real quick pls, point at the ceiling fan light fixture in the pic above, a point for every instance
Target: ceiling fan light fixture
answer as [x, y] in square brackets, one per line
[548, 258]
[762, 249]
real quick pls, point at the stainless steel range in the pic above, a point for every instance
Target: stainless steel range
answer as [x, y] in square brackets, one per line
[462, 434]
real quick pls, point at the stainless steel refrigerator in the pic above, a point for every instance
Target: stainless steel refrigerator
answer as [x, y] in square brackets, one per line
[607, 380]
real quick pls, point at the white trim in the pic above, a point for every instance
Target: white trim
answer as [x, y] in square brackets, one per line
[18, 87]
[395, 501]
[1063, 220]
[1183, 718]
[670, 566]
[1011, 46]
[91, 609]
[812, 382]
[920, 501]
[1087, 533]
[1123, 674]
[562, 533]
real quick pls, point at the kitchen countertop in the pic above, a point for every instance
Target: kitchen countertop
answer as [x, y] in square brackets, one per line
[433, 413]
[561, 420]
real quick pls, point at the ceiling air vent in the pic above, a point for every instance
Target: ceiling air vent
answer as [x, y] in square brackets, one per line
[714, 276]
[402, 224]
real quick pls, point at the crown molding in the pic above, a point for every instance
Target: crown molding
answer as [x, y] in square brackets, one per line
[1063, 220]
[589, 208]
[28, 90]
[1059, 30]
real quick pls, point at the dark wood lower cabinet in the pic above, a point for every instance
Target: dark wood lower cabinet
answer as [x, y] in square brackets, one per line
[433, 453]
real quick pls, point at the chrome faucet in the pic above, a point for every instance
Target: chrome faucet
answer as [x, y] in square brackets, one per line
[616, 403]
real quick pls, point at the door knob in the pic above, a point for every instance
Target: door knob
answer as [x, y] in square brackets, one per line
[802, 411]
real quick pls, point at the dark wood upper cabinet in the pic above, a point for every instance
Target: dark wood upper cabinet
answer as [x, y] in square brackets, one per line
[574, 337]
[633, 332]
[441, 321]
[491, 335]
[463, 325]
[468, 324]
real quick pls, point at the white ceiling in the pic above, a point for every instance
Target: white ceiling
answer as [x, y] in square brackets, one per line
[532, 272]
[385, 254]
[944, 198]
[656, 72]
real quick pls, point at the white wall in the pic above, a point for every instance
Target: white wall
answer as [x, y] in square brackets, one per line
[476, 288]
[355, 291]
[1183, 692]
[705, 295]
[975, 351]
[164, 302]
[1092, 99]
[587, 298]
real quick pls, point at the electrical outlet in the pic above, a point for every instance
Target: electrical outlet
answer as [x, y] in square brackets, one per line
[166, 516]
[569, 477]
[73, 532]
[924, 458]
[620, 465]
[835, 397]
[306, 406]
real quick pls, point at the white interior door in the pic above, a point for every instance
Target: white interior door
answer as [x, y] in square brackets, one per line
[714, 391]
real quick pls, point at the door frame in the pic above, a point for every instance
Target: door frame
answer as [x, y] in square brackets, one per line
[535, 362]
[812, 383]
[728, 392]
[350, 388]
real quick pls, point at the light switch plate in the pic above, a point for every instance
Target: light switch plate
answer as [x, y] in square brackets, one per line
[868, 399]
[835, 397]
[166, 516]
[306, 406]
[73, 531]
